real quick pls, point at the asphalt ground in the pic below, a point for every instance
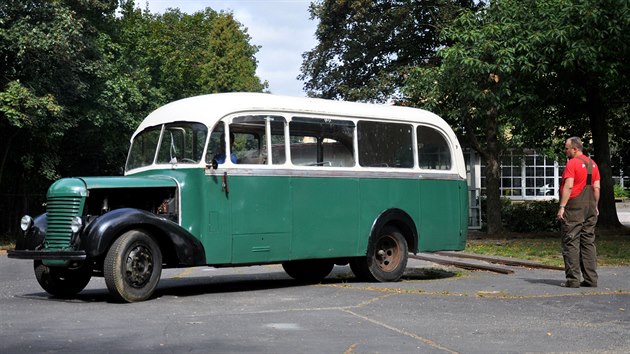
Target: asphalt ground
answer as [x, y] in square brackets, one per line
[623, 212]
[435, 309]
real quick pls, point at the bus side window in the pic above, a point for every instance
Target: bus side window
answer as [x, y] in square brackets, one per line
[321, 142]
[250, 139]
[385, 144]
[433, 150]
[216, 147]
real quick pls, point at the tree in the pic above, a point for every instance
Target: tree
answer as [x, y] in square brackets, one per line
[205, 52]
[49, 56]
[75, 81]
[155, 59]
[589, 47]
[366, 47]
[532, 72]
[472, 89]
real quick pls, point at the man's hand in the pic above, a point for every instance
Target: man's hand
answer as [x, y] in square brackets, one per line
[560, 214]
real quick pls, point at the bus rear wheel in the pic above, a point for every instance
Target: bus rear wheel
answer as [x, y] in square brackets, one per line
[310, 271]
[132, 267]
[386, 259]
[62, 282]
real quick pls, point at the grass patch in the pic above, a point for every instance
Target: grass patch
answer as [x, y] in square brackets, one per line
[611, 250]
[6, 242]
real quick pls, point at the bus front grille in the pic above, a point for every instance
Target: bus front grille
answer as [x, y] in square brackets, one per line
[61, 210]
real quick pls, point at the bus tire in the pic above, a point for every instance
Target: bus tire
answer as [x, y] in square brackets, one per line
[62, 282]
[132, 267]
[309, 271]
[386, 259]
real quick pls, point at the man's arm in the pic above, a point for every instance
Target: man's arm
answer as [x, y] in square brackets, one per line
[596, 187]
[565, 193]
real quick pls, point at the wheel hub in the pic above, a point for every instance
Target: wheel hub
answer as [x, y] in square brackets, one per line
[387, 254]
[139, 266]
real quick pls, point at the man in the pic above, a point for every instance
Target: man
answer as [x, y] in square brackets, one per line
[579, 195]
[220, 157]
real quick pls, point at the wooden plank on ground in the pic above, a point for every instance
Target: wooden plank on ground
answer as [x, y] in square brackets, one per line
[499, 260]
[460, 264]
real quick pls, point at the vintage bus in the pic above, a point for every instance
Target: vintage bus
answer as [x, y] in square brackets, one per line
[241, 179]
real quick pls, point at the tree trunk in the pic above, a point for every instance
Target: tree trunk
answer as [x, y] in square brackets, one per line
[493, 175]
[5, 154]
[599, 127]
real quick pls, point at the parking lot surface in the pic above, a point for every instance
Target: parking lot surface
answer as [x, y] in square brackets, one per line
[435, 309]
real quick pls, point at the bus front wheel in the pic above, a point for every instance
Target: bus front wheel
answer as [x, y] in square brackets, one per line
[62, 282]
[386, 259]
[132, 267]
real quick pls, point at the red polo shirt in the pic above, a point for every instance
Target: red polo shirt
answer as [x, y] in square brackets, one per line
[576, 169]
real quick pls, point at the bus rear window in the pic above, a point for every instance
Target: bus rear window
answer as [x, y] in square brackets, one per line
[433, 151]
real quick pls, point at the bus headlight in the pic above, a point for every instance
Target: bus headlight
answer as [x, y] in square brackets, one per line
[26, 223]
[76, 224]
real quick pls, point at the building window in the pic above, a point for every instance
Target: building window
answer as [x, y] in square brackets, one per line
[528, 176]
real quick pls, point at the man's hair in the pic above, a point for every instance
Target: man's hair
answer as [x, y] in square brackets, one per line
[576, 143]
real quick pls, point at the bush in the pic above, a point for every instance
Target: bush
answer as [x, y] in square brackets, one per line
[619, 191]
[535, 216]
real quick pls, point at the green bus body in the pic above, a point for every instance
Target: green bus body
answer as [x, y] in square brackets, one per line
[269, 219]
[319, 204]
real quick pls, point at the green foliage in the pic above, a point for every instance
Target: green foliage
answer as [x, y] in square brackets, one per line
[366, 47]
[539, 216]
[76, 79]
[22, 108]
[525, 216]
[620, 192]
[187, 54]
[530, 73]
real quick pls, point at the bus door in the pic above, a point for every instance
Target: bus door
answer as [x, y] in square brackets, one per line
[218, 241]
[259, 194]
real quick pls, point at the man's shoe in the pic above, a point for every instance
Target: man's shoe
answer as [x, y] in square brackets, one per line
[588, 285]
[570, 284]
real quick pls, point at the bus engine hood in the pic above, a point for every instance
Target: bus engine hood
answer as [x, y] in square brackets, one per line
[79, 186]
[127, 182]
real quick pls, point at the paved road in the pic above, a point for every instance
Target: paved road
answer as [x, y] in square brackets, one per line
[623, 212]
[259, 309]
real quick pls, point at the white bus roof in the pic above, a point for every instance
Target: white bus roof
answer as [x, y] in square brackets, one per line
[209, 109]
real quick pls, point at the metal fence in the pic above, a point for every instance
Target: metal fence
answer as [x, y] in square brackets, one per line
[474, 208]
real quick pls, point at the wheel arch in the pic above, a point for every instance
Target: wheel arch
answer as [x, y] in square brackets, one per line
[177, 245]
[402, 221]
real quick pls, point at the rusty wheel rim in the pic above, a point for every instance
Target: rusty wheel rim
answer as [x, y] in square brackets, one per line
[387, 253]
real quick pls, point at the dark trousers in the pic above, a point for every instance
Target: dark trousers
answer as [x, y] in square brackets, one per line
[578, 238]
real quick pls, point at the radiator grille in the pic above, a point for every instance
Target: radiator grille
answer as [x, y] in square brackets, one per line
[60, 212]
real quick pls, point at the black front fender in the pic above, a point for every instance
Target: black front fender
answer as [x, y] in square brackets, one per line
[34, 237]
[103, 231]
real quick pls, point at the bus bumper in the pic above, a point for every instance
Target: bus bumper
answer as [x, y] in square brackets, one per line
[48, 255]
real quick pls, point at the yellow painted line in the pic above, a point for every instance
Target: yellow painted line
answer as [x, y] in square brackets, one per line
[546, 296]
[481, 293]
[393, 290]
[186, 272]
[351, 349]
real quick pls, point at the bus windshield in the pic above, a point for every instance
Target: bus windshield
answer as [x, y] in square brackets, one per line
[173, 143]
